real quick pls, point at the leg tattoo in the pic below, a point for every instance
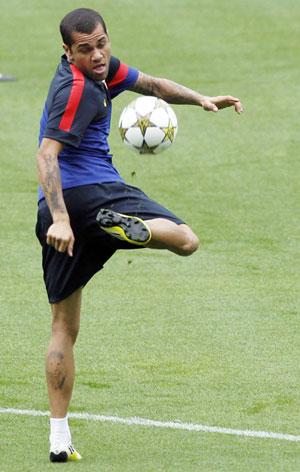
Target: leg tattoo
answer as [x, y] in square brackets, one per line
[56, 371]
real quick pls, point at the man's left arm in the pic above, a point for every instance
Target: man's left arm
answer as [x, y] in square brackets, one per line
[175, 93]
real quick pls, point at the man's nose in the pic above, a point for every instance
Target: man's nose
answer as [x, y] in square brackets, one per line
[97, 54]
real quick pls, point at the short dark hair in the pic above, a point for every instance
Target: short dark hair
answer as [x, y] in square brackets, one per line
[82, 20]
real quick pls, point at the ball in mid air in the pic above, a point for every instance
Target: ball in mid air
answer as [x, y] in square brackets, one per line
[148, 125]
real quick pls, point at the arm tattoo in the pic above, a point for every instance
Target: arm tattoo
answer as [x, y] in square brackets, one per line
[144, 85]
[166, 89]
[51, 183]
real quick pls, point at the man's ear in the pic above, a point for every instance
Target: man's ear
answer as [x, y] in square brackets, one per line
[68, 52]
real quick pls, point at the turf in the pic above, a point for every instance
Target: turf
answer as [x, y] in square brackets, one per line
[211, 339]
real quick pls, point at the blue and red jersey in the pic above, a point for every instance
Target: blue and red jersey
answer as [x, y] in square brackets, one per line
[77, 113]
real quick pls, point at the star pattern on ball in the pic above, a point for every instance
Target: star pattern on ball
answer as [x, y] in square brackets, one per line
[123, 132]
[169, 132]
[143, 124]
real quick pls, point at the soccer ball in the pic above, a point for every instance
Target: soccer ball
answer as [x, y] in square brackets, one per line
[148, 125]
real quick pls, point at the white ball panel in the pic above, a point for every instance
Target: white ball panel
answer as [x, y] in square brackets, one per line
[128, 118]
[154, 136]
[145, 105]
[172, 116]
[134, 136]
[162, 147]
[160, 103]
[160, 117]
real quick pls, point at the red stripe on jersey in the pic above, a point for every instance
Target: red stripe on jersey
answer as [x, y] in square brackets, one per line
[74, 99]
[120, 75]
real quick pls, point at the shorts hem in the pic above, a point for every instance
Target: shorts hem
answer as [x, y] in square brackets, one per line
[52, 299]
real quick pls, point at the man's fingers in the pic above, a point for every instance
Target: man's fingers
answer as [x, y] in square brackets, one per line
[70, 247]
[233, 101]
[61, 244]
[223, 101]
[238, 107]
[210, 106]
[58, 244]
[49, 240]
[213, 108]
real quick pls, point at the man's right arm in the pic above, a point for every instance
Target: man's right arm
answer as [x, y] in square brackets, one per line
[175, 93]
[60, 234]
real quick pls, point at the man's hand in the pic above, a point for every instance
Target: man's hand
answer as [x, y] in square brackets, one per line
[223, 101]
[61, 237]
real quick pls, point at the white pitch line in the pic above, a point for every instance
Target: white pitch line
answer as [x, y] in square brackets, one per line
[161, 424]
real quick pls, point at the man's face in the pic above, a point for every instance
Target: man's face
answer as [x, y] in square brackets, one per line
[90, 53]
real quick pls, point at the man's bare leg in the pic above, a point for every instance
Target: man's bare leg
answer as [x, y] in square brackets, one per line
[60, 369]
[158, 233]
[166, 234]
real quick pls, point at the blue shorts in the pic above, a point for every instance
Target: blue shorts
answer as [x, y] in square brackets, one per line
[93, 247]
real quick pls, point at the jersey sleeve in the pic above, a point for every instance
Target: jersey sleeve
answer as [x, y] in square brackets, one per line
[120, 77]
[72, 109]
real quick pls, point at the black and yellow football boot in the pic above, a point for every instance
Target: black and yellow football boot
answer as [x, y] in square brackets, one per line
[127, 228]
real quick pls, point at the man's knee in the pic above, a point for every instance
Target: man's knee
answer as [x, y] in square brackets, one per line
[66, 317]
[65, 330]
[190, 243]
[190, 246]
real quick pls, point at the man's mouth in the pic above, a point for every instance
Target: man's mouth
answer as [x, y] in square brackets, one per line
[99, 68]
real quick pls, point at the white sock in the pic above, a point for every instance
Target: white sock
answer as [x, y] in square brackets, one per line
[60, 435]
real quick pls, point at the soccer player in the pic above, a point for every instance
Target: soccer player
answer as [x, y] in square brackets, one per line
[86, 211]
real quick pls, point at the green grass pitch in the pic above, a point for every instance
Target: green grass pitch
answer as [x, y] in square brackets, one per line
[212, 339]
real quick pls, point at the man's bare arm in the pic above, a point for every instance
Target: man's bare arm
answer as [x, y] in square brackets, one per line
[59, 234]
[49, 177]
[175, 93]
